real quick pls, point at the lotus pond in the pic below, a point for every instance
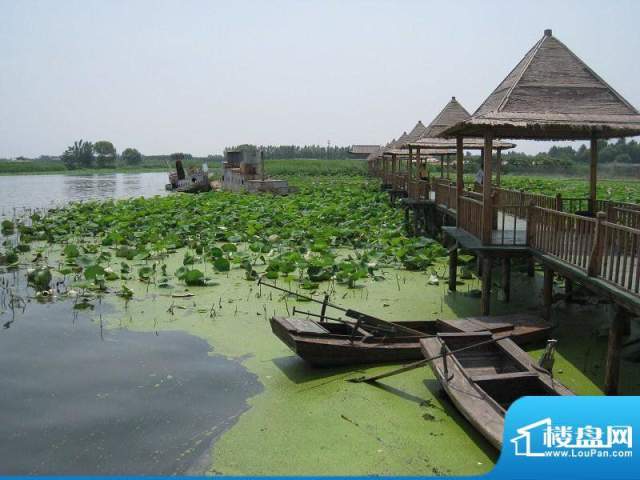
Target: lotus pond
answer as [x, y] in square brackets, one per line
[153, 278]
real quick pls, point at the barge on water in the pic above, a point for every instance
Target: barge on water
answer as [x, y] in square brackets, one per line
[243, 171]
[194, 180]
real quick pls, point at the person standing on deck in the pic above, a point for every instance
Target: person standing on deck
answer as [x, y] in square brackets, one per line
[479, 180]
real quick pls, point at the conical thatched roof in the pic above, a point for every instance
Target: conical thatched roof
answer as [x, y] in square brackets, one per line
[552, 94]
[451, 114]
[364, 149]
[418, 131]
[396, 143]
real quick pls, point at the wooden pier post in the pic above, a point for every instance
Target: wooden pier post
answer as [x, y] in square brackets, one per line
[568, 286]
[531, 267]
[547, 293]
[453, 267]
[593, 175]
[506, 279]
[595, 259]
[619, 325]
[485, 298]
[487, 204]
[459, 174]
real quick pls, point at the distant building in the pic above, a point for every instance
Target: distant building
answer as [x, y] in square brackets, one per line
[363, 151]
[243, 171]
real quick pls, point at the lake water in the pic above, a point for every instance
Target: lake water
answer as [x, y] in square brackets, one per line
[77, 398]
[44, 191]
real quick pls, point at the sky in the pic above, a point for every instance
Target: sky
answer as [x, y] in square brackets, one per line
[196, 76]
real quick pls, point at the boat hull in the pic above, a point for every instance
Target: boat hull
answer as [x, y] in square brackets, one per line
[482, 384]
[319, 347]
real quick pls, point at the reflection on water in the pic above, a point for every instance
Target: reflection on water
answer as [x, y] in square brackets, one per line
[42, 191]
[76, 398]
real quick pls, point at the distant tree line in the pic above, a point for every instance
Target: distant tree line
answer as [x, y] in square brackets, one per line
[566, 159]
[287, 152]
[101, 154]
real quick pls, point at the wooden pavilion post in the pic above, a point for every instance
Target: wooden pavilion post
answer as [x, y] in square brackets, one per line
[410, 165]
[384, 170]
[498, 165]
[448, 167]
[441, 166]
[487, 204]
[459, 175]
[593, 174]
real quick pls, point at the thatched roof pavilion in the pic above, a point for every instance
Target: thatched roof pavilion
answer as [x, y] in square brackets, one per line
[550, 95]
[363, 151]
[450, 115]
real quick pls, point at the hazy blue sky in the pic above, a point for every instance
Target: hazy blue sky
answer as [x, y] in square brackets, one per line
[195, 76]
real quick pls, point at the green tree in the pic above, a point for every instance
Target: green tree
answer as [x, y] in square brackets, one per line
[105, 154]
[131, 156]
[78, 155]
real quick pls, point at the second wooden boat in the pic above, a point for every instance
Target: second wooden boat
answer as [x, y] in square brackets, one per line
[330, 344]
[485, 377]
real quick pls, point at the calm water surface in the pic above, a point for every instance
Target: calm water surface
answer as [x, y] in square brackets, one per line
[76, 398]
[42, 191]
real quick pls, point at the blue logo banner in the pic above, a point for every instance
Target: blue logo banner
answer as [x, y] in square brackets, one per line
[571, 437]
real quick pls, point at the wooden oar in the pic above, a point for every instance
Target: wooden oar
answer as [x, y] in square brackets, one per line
[363, 320]
[420, 363]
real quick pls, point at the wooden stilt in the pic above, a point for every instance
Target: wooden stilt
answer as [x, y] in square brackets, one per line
[506, 279]
[531, 267]
[485, 298]
[547, 293]
[453, 268]
[612, 370]
[568, 286]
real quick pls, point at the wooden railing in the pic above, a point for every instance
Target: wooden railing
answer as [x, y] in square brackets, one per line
[418, 189]
[400, 181]
[509, 226]
[522, 198]
[445, 194]
[624, 216]
[616, 255]
[470, 216]
[564, 235]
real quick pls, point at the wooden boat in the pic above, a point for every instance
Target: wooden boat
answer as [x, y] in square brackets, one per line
[330, 344]
[484, 380]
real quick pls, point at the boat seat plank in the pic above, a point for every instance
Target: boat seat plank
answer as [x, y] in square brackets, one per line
[502, 376]
[303, 325]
